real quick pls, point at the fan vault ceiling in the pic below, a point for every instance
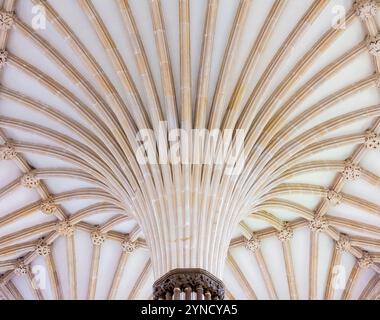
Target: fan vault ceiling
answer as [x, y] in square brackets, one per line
[82, 218]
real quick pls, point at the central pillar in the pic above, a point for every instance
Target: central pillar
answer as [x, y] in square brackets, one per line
[188, 284]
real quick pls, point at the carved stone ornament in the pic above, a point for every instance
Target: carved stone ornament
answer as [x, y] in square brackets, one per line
[334, 197]
[193, 278]
[3, 58]
[98, 238]
[7, 151]
[366, 261]
[365, 8]
[21, 268]
[30, 181]
[48, 206]
[318, 224]
[372, 140]
[253, 244]
[373, 45]
[127, 245]
[65, 228]
[6, 20]
[42, 248]
[343, 244]
[286, 233]
[351, 171]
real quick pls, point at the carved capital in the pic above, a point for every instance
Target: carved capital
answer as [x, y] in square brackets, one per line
[343, 244]
[365, 9]
[253, 244]
[7, 151]
[286, 233]
[48, 206]
[3, 58]
[195, 279]
[30, 181]
[64, 228]
[318, 224]
[6, 20]
[351, 171]
[372, 140]
[334, 197]
[366, 261]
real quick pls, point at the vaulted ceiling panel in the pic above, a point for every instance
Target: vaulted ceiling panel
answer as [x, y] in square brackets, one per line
[79, 211]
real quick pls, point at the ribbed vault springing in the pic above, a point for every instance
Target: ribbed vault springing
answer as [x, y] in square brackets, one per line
[301, 80]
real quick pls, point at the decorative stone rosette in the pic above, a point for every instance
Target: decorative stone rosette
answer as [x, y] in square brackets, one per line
[365, 9]
[253, 244]
[373, 45]
[98, 238]
[372, 140]
[334, 197]
[65, 228]
[7, 151]
[366, 261]
[21, 268]
[286, 233]
[127, 245]
[343, 244]
[318, 224]
[42, 248]
[30, 181]
[3, 58]
[48, 206]
[6, 20]
[351, 171]
[184, 279]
